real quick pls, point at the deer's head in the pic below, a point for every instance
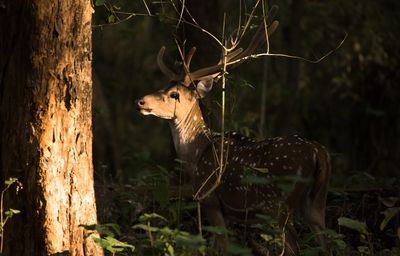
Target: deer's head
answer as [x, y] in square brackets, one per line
[176, 101]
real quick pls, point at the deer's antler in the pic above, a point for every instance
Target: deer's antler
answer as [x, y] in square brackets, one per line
[232, 59]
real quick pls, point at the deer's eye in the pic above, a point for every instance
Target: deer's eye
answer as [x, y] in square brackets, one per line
[174, 95]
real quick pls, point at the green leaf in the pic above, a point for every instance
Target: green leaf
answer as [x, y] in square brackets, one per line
[111, 19]
[145, 227]
[389, 214]
[166, 231]
[262, 170]
[264, 217]
[312, 251]
[100, 2]
[11, 212]
[359, 226]
[364, 250]
[103, 229]
[190, 241]
[170, 249]
[216, 230]
[10, 181]
[267, 237]
[237, 249]
[148, 216]
[113, 245]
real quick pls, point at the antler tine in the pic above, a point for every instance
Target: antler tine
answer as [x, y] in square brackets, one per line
[189, 56]
[231, 55]
[256, 42]
[168, 72]
[259, 37]
[239, 54]
[271, 14]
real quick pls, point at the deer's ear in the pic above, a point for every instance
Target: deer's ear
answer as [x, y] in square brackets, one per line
[203, 87]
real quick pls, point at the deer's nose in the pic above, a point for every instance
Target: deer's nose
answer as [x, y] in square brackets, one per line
[139, 103]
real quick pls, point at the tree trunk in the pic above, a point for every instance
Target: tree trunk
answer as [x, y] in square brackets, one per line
[45, 125]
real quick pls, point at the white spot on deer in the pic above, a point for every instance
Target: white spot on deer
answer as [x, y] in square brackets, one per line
[284, 167]
[249, 154]
[275, 145]
[236, 159]
[241, 160]
[233, 133]
[231, 143]
[284, 156]
[289, 144]
[277, 158]
[265, 153]
[258, 146]
[242, 138]
[271, 164]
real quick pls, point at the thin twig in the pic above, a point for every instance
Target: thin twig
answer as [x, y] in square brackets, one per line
[254, 56]
[147, 8]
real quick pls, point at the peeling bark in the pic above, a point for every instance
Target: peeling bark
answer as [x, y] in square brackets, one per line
[45, 125]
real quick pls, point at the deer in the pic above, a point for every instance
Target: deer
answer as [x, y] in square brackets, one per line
[218, 183]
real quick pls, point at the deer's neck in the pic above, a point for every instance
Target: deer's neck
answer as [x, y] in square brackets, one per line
[190, 135]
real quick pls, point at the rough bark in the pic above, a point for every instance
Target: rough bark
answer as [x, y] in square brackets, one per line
[45, 125]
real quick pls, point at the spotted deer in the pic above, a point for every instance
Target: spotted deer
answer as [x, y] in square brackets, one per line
[224, 194]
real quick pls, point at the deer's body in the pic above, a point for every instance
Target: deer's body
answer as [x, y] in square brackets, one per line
[305, 163]
[226, 192]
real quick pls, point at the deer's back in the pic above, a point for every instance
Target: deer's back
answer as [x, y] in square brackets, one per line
[258, 175]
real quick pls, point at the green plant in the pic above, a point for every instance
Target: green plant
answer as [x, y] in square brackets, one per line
[106, 238]
[362, 229]
[6, 215]
[166, 241]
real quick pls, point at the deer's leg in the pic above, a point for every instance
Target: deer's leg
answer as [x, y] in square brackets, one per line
[214, 215]
[291, 246]
[314, 211]
[215, 218]
[315, 218]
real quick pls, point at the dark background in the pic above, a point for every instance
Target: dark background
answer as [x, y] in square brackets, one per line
[349, 101]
